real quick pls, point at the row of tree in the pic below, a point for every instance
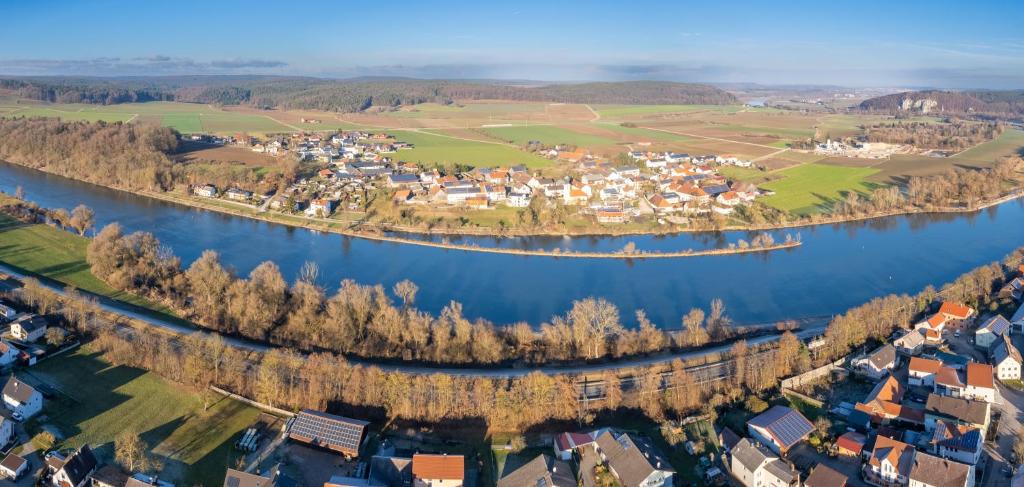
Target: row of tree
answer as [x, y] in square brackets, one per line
[955, 135]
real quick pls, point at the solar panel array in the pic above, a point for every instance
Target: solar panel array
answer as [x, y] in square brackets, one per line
[790, 428]
[334, 432]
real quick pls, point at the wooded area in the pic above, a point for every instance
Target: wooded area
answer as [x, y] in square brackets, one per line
[955, 135]
[351, 95]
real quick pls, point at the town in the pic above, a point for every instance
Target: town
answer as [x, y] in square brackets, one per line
[356, 166]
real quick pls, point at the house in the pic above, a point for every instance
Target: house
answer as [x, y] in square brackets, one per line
[519, 199]
[957, 315]
[401, 196]
[1006, 360]
[8, 354]
[321, 207]
[21, 399]
[206, 191]
[438, 470]
[143, 480]
[990, 331]
[882, 404]
[108, 476]
[611, 215]
[567, 443]
[542, 471]
[980, 384]
[238, 478]
[402, 180]
[824, 476]
[949, 382]
[921, 371]
[780, 428]
[910, 343]
[336, 433]
[7, 313]
[932, 328]
[13, 466]
[959, 442]
[74, 470]
[634, 462]
[29, 328]
[850, 444]
[932, 471]
[962, 411]
[878, 363]
[890, 462]
[238, 194]
[1017, 320]
[756, 466]
[1014, 289]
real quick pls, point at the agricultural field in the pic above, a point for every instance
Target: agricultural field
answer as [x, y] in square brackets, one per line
[548, 135]
[95, 401]
[634, 111]
[435, 147]
[813, 188]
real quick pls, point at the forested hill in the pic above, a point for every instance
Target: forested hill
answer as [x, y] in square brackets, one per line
[349, 95]
[999, 103]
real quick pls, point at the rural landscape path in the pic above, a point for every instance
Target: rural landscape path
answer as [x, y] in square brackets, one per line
[810, 327]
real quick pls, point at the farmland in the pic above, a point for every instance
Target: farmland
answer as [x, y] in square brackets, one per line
[96, 401]
[435, 147]
[547, 134]
[813, 188]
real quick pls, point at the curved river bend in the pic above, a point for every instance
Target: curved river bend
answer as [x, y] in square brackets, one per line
[839, 266]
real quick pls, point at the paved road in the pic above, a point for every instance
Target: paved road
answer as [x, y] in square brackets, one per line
[810, 327]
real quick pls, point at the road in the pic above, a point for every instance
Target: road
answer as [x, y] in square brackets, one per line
[810, 327]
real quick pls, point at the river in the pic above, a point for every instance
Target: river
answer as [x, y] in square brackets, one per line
[839, 266]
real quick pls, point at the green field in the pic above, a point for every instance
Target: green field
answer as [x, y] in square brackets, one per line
[182, 123]
[58, 255]
[1008, 143]
[646, 135]
[548, 135]
[812, 188]
[431, 148]
[97, 401]
[615, 111]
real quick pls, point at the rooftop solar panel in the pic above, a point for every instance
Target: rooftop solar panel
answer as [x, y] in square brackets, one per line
[322, 429]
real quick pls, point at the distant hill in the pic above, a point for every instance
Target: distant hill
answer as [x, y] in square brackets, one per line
[349, 95]
[993, 103]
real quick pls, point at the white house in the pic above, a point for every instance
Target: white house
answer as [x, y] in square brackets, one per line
[990, 331]
[21, 398]
[438, 470]
[980, 383]
[958, 442]
[921, 371]
[932, 471]
[780, 428]
[890, 463]
[29, 328]
[7, 312]
[6, 432]
[756, 466]
[633, 462]
[13, 466]
[878, 363]
[74, 470]
[910, 343]
[1006, 360]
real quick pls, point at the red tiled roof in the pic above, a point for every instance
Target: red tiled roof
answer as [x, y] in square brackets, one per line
[434, 467]
[980, 375]
[956, 310]
[851, 441]
[948, 377]
[927, 365]
[936, 320]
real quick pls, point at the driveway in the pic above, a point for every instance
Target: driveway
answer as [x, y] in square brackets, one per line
[1000, 452]
[588, 460]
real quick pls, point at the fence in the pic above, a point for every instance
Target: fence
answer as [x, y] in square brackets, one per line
[259, 405]
[812, 375]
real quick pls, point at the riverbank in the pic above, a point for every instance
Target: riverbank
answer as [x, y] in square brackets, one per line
[326, 225]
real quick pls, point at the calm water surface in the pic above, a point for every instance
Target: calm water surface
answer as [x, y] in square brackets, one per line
[839, 266]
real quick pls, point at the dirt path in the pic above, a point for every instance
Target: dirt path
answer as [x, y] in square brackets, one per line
[773, 154]
[597, 116]
[712, 138]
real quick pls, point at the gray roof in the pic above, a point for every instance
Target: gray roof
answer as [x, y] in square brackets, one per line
[884, 357]
[79, 465]
[786, 425]
[633, 460]
[31, 323]
[781, 470]
[18, 390]
[542, 471]
[237, 478]
[996, 324]
[1004, 349]
[750, 454]
[390, 471]
[825, 476]
[1019, 315]
[973, 412]
[939, 472]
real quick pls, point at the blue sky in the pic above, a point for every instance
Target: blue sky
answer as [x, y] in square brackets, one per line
[864, 43]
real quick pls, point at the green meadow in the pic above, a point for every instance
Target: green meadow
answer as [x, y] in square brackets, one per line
[433, 148]
[813, 188]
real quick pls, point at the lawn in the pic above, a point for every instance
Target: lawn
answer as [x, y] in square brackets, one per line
[97, 401]
[813, 188]
[431, 148]
[184, 123]
[60, 256]
[548, 135]
[225, 122]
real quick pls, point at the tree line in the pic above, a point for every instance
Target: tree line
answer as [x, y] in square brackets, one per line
[323, 380]
[955, 135]
[364, 321]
